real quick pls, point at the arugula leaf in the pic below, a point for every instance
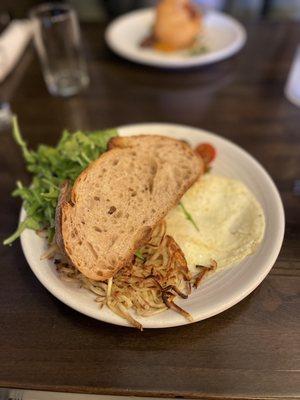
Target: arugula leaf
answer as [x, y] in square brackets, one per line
[139, 255]
[50, 167]
[19, 140]
[188, 216]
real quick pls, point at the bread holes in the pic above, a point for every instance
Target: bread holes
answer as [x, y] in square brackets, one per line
[185, 167]
[115, 162]
[153, 168]
[153, 171]
[113, 240]
[151, 184]
[72, 199]
[93, 251]
[96, 198]
[82, 222]
[112, 210]
[112, 261]
[133, 194]
[97, 229]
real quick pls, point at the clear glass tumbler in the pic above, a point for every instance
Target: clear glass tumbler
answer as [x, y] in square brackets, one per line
[58, 42]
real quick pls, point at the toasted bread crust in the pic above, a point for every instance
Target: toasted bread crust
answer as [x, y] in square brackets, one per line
[64, 197]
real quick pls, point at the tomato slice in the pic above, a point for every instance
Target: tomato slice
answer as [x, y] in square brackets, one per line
[207, 152]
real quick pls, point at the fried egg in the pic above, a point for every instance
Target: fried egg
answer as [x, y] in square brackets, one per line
[230, 220]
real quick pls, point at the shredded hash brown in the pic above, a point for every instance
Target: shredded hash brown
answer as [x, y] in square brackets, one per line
[156, 277]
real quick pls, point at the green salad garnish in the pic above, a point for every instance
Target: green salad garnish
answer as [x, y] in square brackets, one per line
[188, 216]
[50, 167]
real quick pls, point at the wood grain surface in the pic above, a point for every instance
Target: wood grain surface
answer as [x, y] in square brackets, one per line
[249, 351]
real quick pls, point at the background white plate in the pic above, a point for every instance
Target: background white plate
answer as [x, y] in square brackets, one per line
[218, 292]
[223, 36]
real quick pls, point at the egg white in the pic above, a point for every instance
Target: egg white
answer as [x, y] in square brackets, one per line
[231, 222]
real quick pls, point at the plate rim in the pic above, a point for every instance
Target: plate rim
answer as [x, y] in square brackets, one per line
[194, 61]
[233, 299]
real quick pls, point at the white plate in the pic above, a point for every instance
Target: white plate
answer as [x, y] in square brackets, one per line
[218, 292]
[223, 36]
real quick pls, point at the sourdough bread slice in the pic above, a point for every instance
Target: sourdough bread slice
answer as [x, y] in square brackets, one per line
[117, 201]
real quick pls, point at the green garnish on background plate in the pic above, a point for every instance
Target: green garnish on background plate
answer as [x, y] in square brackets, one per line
[50, 167]
[198, 49]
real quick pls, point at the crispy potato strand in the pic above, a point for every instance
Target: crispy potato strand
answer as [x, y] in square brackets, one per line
[149, 285]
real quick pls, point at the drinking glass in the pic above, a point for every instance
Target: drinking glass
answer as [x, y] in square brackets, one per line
[58, 42]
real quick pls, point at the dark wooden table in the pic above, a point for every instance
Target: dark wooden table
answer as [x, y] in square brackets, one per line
[250, 351]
